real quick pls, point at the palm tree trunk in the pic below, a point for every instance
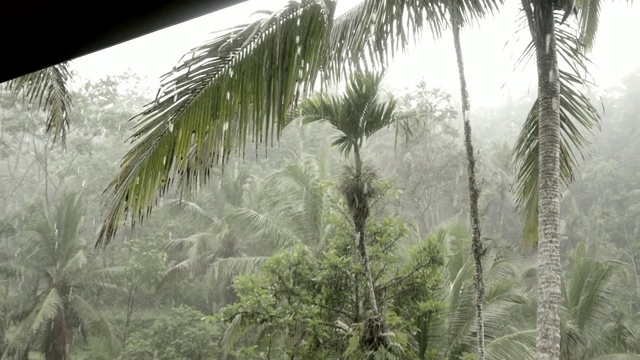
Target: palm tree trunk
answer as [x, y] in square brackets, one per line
[360, 223]
[59, 340]
[474, 193]
[549, 295]
[362, 249]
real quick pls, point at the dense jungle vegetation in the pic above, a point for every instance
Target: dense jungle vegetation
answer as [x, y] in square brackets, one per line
[262, 262]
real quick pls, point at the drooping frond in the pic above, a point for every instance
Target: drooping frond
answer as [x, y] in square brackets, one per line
[516, 345]
[181, 205]
[588, 21]
[370, 33]
[367, 34]
[48, 90]
[91, 318]
[262, 227]
[48, 309]
[237, 87]
[224, 270]
[78, 261]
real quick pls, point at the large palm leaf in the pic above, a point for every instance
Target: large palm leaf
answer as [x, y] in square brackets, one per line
[48, 90]
[240, 86]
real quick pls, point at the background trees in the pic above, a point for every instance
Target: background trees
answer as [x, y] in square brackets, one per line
[289, 211]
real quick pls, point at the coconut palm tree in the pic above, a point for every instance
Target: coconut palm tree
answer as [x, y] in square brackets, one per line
[357, 114]
[54, 272]
[545, 148]
[283, 210]
[47, 90]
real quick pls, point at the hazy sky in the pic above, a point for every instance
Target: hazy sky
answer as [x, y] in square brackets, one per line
[490, 50]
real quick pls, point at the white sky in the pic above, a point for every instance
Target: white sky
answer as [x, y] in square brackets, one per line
[489, 63]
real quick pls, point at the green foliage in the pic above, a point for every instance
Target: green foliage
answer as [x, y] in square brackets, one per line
[180, 334]
[310, 306]
[55, 270]
[48, 90]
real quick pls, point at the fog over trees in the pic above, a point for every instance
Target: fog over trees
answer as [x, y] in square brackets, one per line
[279, 199]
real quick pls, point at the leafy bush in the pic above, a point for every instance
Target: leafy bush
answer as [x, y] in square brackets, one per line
[181, 334]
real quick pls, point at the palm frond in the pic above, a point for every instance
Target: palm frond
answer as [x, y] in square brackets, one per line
[357, 114]
[106, 275]
[194, 246]
[369, 34]
[588, 21]
[78, 261]
[92, 319]
[516, 345]
[237, 87]
[48, 309]
[262, 228]
[181, 205]
[48, 90]
[176, 272]
[224, 270]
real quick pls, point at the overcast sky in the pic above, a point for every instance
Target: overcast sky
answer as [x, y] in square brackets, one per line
[490, 50]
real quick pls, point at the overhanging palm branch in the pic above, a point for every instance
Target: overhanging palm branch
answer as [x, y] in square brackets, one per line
[241, 85]
[577, 116]
[48, 90]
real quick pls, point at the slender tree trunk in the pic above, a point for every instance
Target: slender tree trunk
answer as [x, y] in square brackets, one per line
[474, 193]
[362, 249]
[549, 296]
[360, 223]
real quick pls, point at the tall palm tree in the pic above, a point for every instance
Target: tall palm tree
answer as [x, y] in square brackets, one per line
[242, 84]
[545, 151]
[357, 114]
[47, 90]
[54, 272]
[474, 192]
